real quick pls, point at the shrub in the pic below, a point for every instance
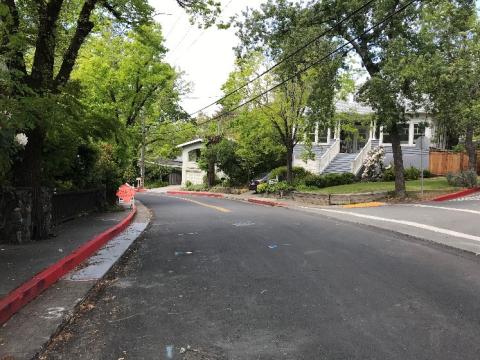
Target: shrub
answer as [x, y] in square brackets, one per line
[411, 173]
[322, 181]
[299, 173]
[427, 174]
[314, 181]
[466, 179]
[191, 187]
[262, 188]
[155, 184]
[373, 165]
[389, 173]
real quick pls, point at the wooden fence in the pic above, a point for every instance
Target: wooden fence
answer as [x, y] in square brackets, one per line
[444, 162]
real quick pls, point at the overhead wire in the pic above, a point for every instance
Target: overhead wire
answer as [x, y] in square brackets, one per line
[288, 56]
[343, 46]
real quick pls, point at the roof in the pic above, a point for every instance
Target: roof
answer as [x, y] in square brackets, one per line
[190, 143]
[353, 107]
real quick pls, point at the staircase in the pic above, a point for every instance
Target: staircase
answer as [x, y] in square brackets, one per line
[342, 163]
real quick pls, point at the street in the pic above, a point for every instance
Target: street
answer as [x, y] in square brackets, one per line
[220, 279]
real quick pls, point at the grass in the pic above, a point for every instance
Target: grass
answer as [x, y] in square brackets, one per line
[437, 183]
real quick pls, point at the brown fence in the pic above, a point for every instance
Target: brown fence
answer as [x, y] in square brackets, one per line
[444, 162]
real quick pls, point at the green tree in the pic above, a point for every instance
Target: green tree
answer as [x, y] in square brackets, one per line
[38, 51]
[448, 69]
[277, 29]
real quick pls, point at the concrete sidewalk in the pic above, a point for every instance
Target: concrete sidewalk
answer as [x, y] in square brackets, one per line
[21, 262]
[24, 335]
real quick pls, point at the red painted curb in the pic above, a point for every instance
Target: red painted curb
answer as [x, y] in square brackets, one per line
[457, 195]
[28, 291]
[266, 202]
[196, 193]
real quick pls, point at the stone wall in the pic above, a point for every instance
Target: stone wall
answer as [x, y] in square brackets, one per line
[15, 215]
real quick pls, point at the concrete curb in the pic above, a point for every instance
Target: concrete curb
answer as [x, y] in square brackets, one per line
[266, 202]
[196, 193]
[28, 291]
[457, 194]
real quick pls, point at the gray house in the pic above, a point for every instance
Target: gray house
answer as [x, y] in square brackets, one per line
[335, 152]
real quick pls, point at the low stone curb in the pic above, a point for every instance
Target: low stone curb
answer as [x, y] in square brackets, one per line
[25, 293]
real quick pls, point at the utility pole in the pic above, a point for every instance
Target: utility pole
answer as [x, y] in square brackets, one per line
[142, 156]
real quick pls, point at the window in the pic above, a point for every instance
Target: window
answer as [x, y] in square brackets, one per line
[194, 155]
[403, 130]
[418, 130]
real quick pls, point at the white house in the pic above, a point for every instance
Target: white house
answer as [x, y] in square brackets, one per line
[337, 153]
[191, 151]
[190, 154]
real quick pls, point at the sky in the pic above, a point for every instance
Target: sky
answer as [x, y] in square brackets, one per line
[205, 56]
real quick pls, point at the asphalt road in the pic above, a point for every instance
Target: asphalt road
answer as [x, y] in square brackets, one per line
[227, 280]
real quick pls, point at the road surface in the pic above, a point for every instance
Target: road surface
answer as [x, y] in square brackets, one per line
[219, 279]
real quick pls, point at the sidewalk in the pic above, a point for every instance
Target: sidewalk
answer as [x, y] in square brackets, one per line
[28, 330]
[21, 262]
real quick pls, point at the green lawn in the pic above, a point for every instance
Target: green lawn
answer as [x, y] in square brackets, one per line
[438, 183]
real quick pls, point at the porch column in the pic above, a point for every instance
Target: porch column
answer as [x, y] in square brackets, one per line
[411, 133]
[370, 132]
[381, 135]
[329, 135]
[316, 133]
[374, 130]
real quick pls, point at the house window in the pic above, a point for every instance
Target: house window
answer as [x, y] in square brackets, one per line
[194, 155]
[418, 130]
[403, 130]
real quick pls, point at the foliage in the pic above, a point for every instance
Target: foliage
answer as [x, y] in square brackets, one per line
[299, 173]
[152, 184]
[275, 30]
[447, 68]
[466, 179]
[410, 173]
[373, 164]
[191, 187]
[327, 180]
[281, 187]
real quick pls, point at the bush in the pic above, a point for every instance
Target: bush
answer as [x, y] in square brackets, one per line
[427, 174]
[262, 188]
[373, 164]
[322, 181]
[191, 187]
[155, 184]
[282, 186]
[466, 179]
[411, 173]
[389, 174]
[299, 173]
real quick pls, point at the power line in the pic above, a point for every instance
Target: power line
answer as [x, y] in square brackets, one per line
[288, 56]
[316, 62]
[200, 35]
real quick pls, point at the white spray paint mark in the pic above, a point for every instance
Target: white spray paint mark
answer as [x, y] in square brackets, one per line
[243, 223]
[54, 313]
[404, 222]
[169, 351]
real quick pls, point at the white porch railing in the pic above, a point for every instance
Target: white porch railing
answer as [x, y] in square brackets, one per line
[360, 158]
[329, 155]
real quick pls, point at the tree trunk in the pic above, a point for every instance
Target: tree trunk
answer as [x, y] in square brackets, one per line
[211, 174]
[28, 173]
[471, 150]
[398, 162]
[289, 164]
